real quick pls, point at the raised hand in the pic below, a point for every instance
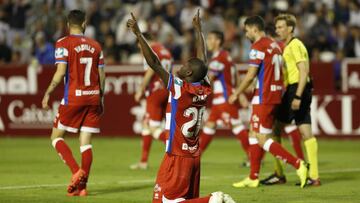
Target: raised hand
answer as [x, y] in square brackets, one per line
[197, 21]
[132, 24]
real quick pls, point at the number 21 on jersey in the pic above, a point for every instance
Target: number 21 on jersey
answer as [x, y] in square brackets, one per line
[196, 118]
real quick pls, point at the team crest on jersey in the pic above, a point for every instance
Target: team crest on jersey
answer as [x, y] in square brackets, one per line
[178, 81]
[61, 52]
[252, 54]
[256, 54]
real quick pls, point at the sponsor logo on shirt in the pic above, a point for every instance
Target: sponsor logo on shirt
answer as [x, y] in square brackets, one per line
[86, 92]
[275, 88]
[186, 147]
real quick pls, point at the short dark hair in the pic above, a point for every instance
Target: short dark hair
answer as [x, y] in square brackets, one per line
[76, 17]
[257, 21]
[219, 35]
[199, 69]
[270, 30]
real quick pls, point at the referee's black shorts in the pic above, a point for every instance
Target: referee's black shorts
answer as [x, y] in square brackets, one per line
[302, 116]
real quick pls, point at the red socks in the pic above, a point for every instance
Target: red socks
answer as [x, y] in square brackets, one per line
[65, 154]
[295, 136]
[162, 136]
[86, 157]
[243, 137]
[255, 154]
[278, 151]
[146, 144]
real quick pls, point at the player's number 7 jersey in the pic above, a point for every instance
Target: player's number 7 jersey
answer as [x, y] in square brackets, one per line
[83, 57]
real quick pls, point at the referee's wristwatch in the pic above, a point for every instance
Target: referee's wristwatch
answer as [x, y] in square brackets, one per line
[297, 97]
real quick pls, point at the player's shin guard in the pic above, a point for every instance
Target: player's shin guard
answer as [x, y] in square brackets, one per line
[312, 153]
[206, 136]
[86, 158]
[279, 152]
[242, 135]
[65, 154]
[255, 155]
[295, 136]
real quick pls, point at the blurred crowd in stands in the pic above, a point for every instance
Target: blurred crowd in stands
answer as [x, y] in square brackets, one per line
[330, 29]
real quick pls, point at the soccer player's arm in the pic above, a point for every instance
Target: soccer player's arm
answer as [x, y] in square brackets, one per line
[146, 81]
[244, 102]
[247, 81]
[148, 53]
[200, 40]
[298, 51]
[61, 56]
[256, 57]
[102, 76]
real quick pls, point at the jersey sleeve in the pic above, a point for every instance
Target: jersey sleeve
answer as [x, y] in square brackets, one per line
[216, 67]
[256, 56]
[61, 53]
[299, 52]
[175, 86]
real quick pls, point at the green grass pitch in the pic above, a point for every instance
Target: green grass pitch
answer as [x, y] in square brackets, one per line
[31, 171]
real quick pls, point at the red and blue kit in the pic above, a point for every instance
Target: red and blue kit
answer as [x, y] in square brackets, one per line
[80, 106]
[265, 55]
[223, 69]
[179, 174]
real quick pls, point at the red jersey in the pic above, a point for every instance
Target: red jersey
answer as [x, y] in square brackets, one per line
[222, 67]
[265, 54]
[281, 45]
[83, 57]
[184, 116]
[166, 61]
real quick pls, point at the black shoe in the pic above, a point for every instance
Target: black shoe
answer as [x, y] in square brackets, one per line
[273, 179]
[311, 182]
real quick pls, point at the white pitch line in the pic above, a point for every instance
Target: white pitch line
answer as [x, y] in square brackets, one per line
[125, 182]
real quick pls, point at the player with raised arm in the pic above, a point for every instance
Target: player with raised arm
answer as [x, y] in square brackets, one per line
[223, 75]
[156, 100]
[80, 63]
[265, 66]
[179, 174]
